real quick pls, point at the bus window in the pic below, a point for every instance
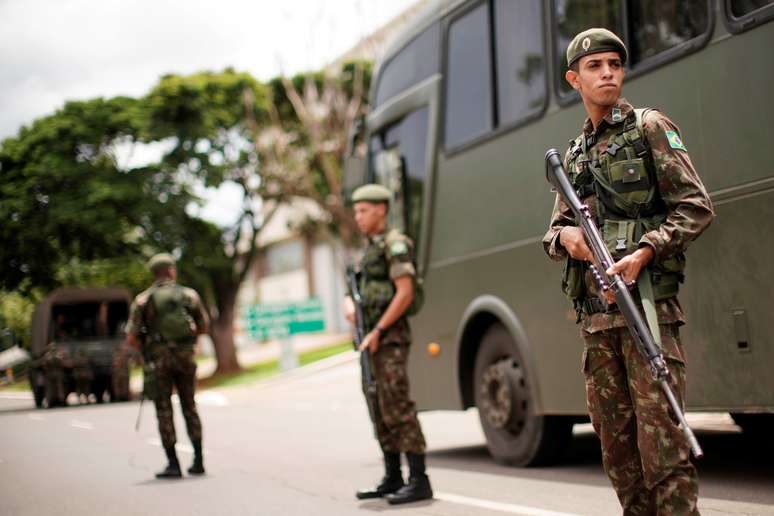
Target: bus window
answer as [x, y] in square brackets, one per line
[739, 8]
[658, 25]
[574, 16]
[648, 27]
[520, 58]
[417, 61]
[398, 161]
[468, 78]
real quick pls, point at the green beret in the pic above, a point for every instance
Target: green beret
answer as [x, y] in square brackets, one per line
[371, 193]
[594, 41]
[161, 260]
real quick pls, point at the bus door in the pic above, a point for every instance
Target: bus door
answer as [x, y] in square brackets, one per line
[401, 146]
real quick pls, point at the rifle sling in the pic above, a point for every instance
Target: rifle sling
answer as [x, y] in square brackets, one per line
[649, 304]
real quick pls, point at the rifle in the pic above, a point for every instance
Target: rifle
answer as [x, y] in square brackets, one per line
[369, 384]
[647, 346]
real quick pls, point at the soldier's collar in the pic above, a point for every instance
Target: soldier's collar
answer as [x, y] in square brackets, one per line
[379, 236]
[616, 116]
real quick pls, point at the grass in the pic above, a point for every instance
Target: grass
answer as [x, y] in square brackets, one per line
[263, 370]
[20, 385]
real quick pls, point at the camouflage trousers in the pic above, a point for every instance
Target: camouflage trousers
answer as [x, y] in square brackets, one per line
[644, 452]
[120, 374]
[55, 391]
[397, 427]
[176, 368]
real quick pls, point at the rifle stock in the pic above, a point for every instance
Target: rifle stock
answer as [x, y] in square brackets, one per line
[647, 346]
[369, 384]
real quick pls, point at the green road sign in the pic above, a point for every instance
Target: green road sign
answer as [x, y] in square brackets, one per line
[277, 320]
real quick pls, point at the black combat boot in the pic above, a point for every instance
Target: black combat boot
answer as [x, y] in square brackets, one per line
[392, 481]
[173, 466]
[418, 487]
[197, 468]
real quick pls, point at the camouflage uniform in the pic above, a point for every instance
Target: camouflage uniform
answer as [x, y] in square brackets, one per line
[174, 364]
[120, 373]
[389, 256]
[643, 450]
[53, 366]
[83, 376]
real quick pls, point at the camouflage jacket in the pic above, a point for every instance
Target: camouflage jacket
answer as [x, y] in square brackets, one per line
[387, 257]
[137, 324]
[687, 205]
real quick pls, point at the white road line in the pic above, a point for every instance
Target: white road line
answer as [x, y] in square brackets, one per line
[509, 508]
[179, 446]
[36, 417]
[206, 398]
[84, 425]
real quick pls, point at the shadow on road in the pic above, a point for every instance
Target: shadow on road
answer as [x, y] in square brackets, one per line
[734, 466]
[383, 506]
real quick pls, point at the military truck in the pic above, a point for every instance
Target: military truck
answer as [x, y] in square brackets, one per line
[85, 328]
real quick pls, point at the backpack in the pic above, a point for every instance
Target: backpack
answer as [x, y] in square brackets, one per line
[171, 319]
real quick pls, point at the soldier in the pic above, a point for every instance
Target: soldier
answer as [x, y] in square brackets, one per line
[632, 169]
[83, 376]
[387, 288]
[120, 374]
[165, 321]
[53, 361]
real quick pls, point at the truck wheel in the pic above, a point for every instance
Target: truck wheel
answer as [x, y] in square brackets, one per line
[515, 435]
[39, 393]
[37, 387]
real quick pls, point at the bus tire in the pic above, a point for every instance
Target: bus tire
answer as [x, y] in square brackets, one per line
[754, 425]
[515, 435]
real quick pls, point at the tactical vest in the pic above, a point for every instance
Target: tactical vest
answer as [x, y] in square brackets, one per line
[377, 288]
[168, 316]
[628, 204]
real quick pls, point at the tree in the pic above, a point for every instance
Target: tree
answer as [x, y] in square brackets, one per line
[306, 137]
[65, 196]
[203, 115]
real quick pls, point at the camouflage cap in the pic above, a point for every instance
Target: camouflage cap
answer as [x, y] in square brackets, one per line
[371, 193]
[161, 260]
[594, 41]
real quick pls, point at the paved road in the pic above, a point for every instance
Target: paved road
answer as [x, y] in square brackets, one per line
[301, 445]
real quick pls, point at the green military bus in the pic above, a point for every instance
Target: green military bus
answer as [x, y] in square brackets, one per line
[465, 104]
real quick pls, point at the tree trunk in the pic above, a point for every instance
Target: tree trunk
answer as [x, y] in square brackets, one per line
[222, 333]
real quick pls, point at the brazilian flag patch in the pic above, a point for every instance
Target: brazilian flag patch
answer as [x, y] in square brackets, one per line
[398, 248]
[674, 141]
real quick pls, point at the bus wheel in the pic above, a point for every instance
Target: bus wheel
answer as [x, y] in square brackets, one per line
[754, 425]
[514, 434]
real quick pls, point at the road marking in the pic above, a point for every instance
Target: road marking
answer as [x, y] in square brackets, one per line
[179, 446]
[207, 398]
[84, 425]
[36, 417]
[524, 510]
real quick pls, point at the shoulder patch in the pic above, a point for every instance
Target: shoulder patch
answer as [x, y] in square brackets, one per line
[398, 248]
[674, 141]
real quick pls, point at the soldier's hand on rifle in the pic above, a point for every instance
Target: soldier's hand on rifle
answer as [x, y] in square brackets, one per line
[370, 341]
[349, 310]
[629, 267]
[572, 240]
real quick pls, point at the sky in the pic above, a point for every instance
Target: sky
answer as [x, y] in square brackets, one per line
[57, 50]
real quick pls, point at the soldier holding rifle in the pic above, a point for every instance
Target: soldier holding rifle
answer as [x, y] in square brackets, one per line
[387, 290]
[630, 167]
